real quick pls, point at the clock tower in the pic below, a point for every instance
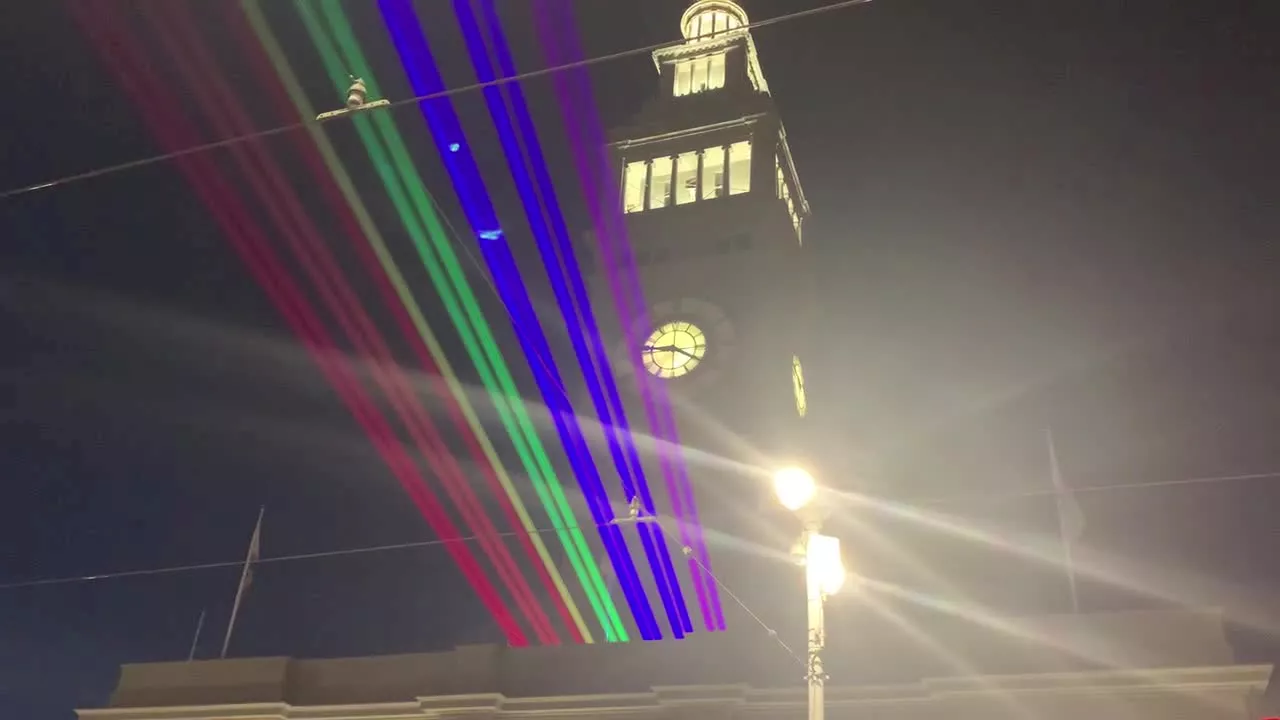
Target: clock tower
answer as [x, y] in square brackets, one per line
[714, 215]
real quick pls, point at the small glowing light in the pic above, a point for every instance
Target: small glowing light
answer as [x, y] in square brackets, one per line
[491, 234]
[823, 566]
[454, 147]
[794, 487]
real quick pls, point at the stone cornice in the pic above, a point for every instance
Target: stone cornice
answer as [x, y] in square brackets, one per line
[660, 700]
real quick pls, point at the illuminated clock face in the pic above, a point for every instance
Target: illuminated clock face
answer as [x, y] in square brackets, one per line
[674, 349]
[667, 343]
[797, 383]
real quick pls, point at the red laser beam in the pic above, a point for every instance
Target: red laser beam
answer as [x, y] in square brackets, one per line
[184, 44]
[112, 41]
[276, 94]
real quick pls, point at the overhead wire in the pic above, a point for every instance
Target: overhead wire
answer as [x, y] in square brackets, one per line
[769, 629]
[400, 300]
[439, 542]
[119, 50]
[225, 142]
[316, 555]
[1213, 480]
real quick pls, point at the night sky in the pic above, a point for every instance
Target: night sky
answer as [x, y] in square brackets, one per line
[1026, 215]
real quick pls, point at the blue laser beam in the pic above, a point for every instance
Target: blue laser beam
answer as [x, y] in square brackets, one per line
[442, 120]
[529, 170]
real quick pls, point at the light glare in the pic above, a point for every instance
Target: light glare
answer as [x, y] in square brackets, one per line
[794, 487]
[823, 565]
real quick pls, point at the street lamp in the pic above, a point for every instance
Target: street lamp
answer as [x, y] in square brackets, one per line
[796, 491]
[794, 487]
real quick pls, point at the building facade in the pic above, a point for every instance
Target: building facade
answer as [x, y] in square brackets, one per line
[1138, 666]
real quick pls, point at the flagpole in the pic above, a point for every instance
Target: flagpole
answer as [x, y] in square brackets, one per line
[1060, 501]
[244, 580]
[195, 639]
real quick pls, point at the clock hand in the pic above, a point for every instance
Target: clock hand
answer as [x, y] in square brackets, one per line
[670, 348]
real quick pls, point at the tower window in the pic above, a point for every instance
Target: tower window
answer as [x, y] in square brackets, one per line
[660, 183]
[712, 173]
[711, 22]
[740, 167]
[684, 78]
[633, 187]
[686, 178]
[699, 74]
[715, 73]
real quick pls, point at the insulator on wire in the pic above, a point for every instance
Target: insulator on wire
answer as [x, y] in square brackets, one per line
[356, 94]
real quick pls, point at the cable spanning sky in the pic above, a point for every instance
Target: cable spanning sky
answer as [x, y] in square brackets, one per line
[266, 221]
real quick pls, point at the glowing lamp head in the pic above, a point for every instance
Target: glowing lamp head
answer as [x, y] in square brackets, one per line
[794, 487]
[823, 564]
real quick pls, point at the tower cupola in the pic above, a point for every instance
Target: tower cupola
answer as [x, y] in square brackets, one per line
[709, 17]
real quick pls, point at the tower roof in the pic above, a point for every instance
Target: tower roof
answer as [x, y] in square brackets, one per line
[707, 17]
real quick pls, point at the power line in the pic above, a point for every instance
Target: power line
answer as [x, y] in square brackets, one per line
[745, 608]
[1185, 481]
[270, 559]
[1104, 488]
[193, 567]
[226, 142]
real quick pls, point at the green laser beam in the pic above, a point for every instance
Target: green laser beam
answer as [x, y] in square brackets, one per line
[376, 241]
[422, 222]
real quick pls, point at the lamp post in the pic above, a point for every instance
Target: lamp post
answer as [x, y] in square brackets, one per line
[796, 491]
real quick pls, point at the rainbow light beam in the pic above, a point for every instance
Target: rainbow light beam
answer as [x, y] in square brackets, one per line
[421, 221]
[443, 123]
[537, 193]
[555, 25]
